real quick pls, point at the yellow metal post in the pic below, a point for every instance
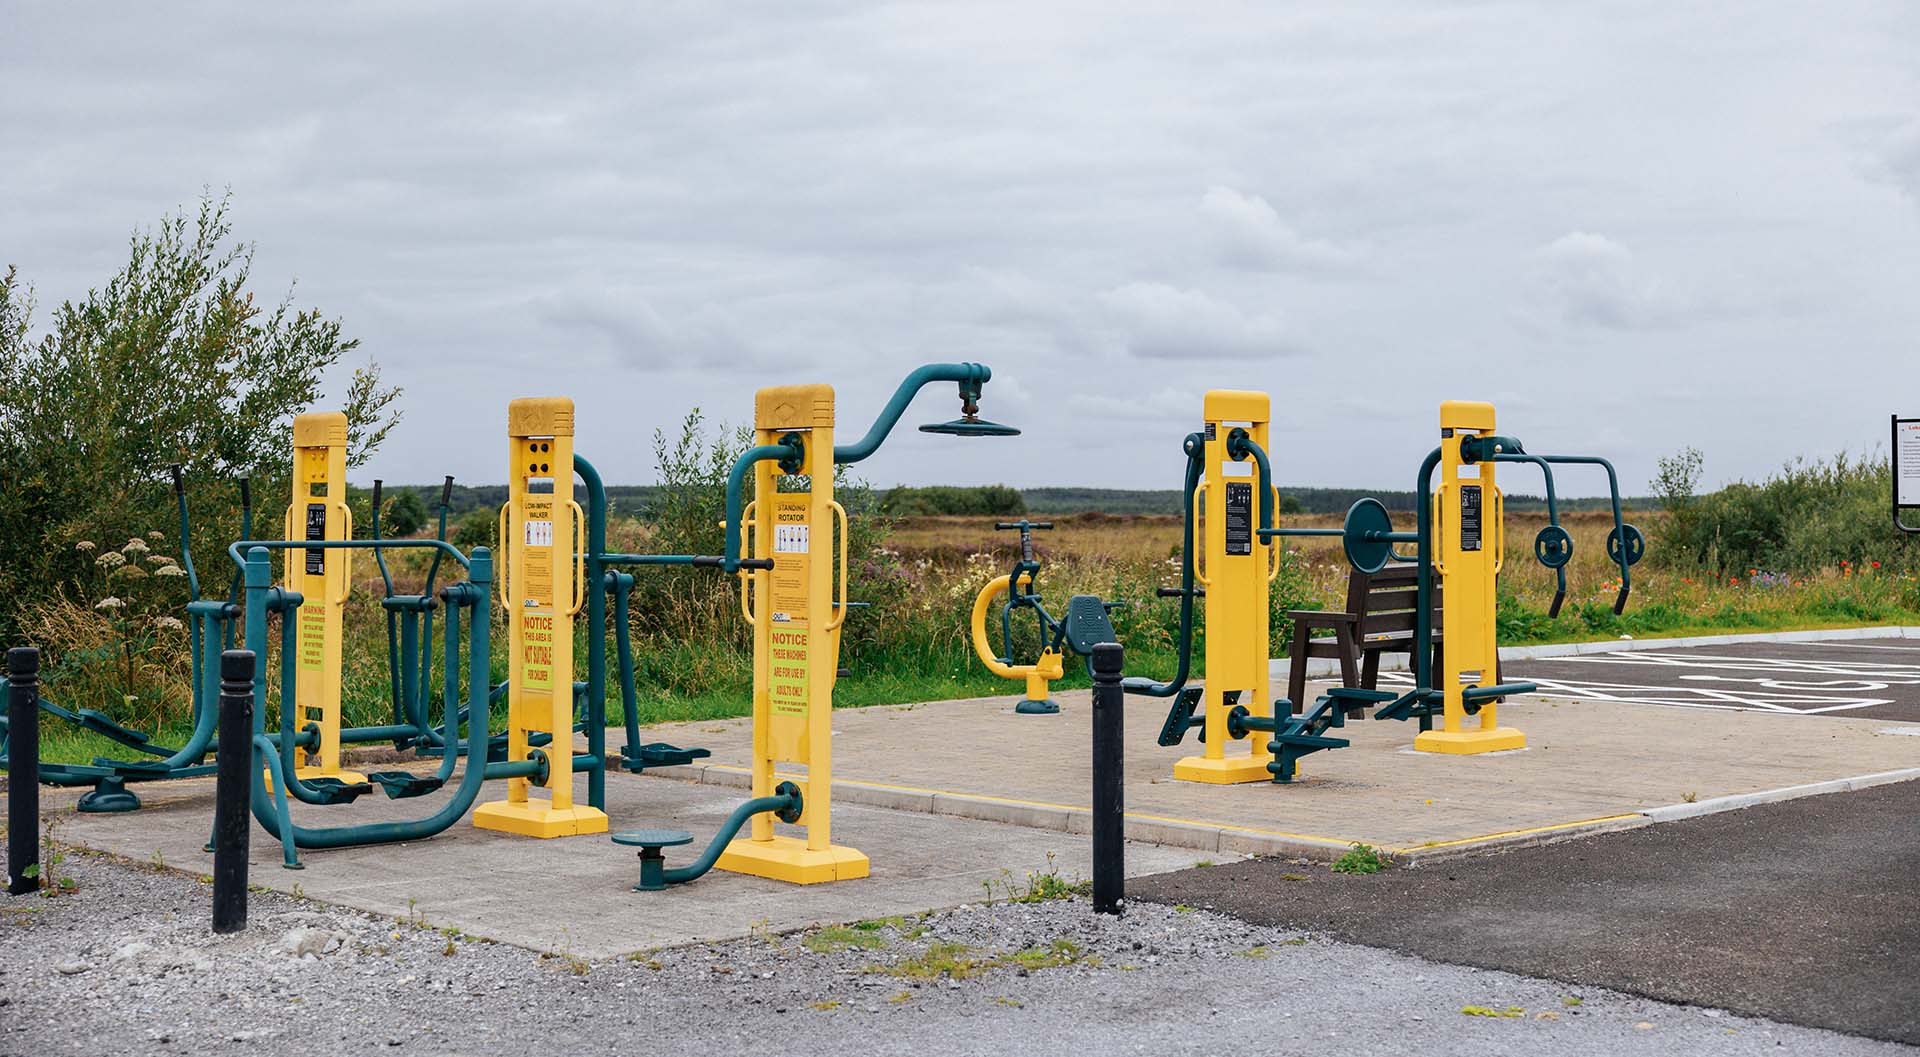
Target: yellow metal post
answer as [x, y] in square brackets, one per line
[1468, 543]
[323, 578]
[796, 618]
[541, 588]
[1236, 569]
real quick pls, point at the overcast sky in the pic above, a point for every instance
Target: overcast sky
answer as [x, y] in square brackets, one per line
[1632, 226]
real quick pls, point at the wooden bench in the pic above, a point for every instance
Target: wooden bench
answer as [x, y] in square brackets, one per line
[1378, 619]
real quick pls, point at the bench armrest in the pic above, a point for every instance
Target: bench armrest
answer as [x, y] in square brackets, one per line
[1321, 616]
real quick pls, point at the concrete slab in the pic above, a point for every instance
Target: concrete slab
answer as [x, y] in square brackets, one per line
[574, 895]
[1588, 766]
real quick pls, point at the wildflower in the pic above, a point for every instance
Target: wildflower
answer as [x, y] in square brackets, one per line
[109, 603]
[84, 546]
[1876, 565]
[156, 534]
[160, 559]
[169, 570]
[111, 560]
[169, 623]
[136, 545]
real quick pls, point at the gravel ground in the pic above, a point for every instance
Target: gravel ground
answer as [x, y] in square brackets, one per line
[125, 965]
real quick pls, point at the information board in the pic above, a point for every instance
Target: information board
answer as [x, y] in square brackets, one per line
[1906, 461]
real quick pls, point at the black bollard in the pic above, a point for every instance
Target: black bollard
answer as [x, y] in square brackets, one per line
[23, 770]
[232, 789]
[1109, 808]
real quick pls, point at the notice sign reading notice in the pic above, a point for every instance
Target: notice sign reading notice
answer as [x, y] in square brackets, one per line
[787, 685]
[536, 645]
[1906, 461]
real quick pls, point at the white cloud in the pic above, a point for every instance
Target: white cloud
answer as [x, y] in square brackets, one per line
[1249, 234]
[631, 204]
[1595, 281]
[1158, 321]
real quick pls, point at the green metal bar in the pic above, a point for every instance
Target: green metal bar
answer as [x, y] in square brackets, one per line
[1241, 444]
[971, 377]
[1619, 524]
[234, 549]
[272, 812]
[1423, 594]
[1195, 447]
[787, 802]
[623, 641]
[731, 561]
[595, 590]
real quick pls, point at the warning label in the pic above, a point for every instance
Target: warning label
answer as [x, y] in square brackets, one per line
[313, 639]
[536, 650]
[787, 687]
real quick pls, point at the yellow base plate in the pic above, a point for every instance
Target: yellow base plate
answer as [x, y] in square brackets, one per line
[536, 818]
[1468, 742]
[788, 859]
[1224, 771]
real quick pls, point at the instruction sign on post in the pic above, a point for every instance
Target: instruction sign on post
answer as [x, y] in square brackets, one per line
[1906, 469]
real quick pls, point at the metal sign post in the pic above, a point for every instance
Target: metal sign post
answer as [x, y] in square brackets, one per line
[1906, 470]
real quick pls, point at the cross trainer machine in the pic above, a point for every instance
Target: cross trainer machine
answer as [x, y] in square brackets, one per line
[559, 566]
[794, 596]
[1085, 625]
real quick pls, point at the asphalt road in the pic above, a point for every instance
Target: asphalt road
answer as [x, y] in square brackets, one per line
[1806, 911]
[1857, 679]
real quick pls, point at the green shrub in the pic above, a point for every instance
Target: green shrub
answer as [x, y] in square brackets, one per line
[172, 360]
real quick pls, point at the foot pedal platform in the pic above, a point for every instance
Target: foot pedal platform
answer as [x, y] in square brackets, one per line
[659, 754]
[1180, 716]
[399, 785]
[652, 862]
[1088, 624]
[335, 791]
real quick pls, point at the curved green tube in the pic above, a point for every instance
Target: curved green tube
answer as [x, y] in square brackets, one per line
[271, 810]
[736, 480]
[971, 377]
[788, 802]
[1195, 449]
[1239, 445]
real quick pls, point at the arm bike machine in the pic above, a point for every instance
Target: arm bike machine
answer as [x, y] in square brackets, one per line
[793, 594]
[1459, 535]
[1085, 625]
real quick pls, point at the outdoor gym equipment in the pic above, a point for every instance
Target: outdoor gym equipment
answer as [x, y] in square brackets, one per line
[559, 566]
[1232, 568]
[211, 627]
[1460, 534]
[793, 593]
[1080, 630]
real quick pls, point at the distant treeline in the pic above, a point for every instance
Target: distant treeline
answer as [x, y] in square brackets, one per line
[998, 500]
[1309, 500]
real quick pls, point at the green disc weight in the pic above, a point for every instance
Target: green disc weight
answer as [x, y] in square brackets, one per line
[1365, 518]
[1553, 547]
[1635, 544]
